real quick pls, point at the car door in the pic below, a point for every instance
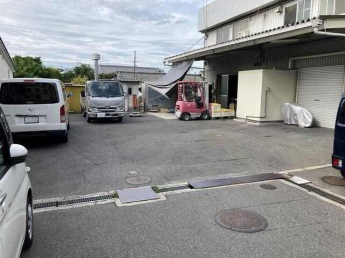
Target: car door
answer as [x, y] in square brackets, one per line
[12, 204]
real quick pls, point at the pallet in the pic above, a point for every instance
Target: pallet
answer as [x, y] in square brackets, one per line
[222, 117]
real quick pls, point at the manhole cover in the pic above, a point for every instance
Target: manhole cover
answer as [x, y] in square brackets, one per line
[334, 180]
[268, 187]
[138, 180]
[241, 221]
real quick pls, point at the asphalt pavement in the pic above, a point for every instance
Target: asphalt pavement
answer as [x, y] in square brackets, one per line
[100, 156]
[299, 225]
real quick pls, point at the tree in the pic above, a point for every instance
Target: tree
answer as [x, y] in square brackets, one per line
[52, 73]
[28, 67]
[68, 76]
[84, 70]
[108, 76]
[80, 80]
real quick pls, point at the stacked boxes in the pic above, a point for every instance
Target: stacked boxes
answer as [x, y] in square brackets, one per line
[215, 110]
[224, 112]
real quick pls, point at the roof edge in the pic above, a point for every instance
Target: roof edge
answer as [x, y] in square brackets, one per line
[7, 56]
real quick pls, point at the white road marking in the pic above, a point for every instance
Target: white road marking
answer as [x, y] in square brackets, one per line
[305, 169]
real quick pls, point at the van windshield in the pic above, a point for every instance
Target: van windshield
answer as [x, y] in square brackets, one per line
[21, 93]
[105, 89]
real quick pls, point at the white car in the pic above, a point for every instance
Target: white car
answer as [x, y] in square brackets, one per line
[36, 107]
[16, 200]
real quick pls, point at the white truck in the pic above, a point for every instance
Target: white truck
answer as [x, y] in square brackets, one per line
[103, 100]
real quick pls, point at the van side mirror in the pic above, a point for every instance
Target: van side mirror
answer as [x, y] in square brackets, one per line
[129, 91]
[18, 154]
[82, 93]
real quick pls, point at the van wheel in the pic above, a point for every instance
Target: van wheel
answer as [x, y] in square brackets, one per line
[29, 236]
[64, 138]
[342, 173]
[186, 117]
[68, 126]
[120, 119]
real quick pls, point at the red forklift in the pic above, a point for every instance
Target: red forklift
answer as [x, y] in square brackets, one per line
[191, 101]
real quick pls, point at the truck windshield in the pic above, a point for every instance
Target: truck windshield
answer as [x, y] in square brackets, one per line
[105, 89]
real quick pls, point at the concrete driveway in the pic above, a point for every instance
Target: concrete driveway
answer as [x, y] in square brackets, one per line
[101, 156]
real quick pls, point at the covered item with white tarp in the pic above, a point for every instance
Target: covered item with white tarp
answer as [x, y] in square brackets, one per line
[166, 84]
[294, 114]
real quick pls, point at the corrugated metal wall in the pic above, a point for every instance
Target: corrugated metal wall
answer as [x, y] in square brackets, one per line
[222, 10]
[278, 57]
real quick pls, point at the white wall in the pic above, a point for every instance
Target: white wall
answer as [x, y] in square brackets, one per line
[252, 87]
[5, 70]
[249, 94]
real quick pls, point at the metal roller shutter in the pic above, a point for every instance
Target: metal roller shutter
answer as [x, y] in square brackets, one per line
[320, 90]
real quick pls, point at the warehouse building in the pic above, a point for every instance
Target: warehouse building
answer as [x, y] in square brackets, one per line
[261, 54]
[7, 67]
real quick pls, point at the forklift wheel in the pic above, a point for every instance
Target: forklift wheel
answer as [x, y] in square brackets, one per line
[186, 117]
[205, 116]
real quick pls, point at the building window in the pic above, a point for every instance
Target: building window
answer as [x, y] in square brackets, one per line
[303, 10]
[290, 14]
[241, 28]
[223, 34]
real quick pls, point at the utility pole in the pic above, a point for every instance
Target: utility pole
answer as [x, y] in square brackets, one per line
[135, 64]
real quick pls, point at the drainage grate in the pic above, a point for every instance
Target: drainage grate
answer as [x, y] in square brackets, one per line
[170, 188]
[72, 201]
[241, 221]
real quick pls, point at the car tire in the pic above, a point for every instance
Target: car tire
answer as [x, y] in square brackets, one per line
[29, 236]
[120, 119]
[64, 137]
[68, 126]
[342, 173]
[186, 117]
[205, 116]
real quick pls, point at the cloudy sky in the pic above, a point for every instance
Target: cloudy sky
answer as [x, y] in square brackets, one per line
[65, 32]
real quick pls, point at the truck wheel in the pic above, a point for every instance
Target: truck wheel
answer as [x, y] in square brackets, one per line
[186, 117]
[342, 173]
[88, 119]
[205, 116]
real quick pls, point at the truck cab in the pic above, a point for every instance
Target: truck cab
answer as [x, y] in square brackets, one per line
[103, 100]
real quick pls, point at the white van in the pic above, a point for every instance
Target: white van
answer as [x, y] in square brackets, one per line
[35, 107]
